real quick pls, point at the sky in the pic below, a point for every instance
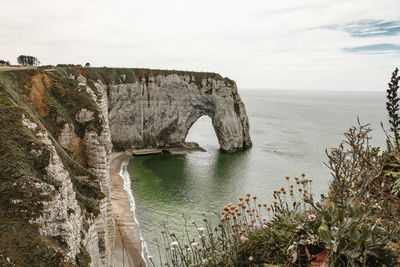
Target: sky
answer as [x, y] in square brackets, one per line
[287, 44]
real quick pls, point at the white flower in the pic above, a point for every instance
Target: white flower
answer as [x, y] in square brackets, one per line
[204, 261]
[201, 229]
[174, 244]
[195, 244]
[189, 249]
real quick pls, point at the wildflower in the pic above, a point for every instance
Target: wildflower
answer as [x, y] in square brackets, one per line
[204, 261]
[233, 234]
[242, 237]
[256, 225]
[252, 220]
[287, 177]
[201, 229]
[265, 226]
[254, 197]
[248, 195]
[251, 258]
[240, 199]
[312, 217]
[264, 219]
[334, 228]
[174, 244]
[303, 175]
[195, 244]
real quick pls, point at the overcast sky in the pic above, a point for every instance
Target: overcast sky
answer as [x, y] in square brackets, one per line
[307, 44]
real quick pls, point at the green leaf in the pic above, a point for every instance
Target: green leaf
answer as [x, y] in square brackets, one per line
[325, 234]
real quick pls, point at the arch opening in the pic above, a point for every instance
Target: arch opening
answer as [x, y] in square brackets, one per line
[203, 133]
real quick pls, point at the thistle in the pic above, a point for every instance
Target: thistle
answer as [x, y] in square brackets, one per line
[392, 106]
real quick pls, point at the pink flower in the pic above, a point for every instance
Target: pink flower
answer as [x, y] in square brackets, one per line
[312, 217]
[256, 225]
[251, 258]
[264, 219]
[242, 238]
[265, 226]
[252, 220]
[335, 228]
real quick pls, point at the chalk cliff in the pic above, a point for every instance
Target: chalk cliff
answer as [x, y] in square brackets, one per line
[159, 111]
[57, 130]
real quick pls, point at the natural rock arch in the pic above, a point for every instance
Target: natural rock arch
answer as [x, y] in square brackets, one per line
[159, 111]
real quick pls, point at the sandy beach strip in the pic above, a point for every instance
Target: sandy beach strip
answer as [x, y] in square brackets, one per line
[128, 248]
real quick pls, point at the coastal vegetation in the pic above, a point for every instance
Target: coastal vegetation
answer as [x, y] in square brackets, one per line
[354, 224]
[27, 60]
[4, 62]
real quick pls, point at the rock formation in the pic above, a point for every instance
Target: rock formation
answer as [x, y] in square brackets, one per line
[57, 130]
[159, 111]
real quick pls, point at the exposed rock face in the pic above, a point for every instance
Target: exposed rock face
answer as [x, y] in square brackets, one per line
[159, 111]
[57, 130]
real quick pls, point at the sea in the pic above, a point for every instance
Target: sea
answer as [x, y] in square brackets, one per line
[291, 133]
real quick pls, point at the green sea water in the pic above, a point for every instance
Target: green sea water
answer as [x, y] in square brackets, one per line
[290, 131]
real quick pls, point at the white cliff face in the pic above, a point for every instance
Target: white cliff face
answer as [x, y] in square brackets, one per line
[98, 151]
[160, 111]
[60, 217]
[99, 238]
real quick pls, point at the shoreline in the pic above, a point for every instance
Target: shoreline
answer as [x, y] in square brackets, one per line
[128, 244]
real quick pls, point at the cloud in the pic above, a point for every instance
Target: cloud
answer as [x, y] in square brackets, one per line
[367, 28]
[374, 49]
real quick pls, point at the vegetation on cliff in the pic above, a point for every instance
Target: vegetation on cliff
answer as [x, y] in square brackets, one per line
[355, 224]
[49, 102]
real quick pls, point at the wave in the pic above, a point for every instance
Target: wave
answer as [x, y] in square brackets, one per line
[127, 187]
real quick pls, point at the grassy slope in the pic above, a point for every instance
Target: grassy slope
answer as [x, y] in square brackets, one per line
[49, 102]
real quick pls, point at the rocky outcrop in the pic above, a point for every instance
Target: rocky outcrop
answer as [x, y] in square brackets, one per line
[159, 111]
[57, 131]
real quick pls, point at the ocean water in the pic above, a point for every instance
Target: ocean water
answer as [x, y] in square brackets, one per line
[290, 131]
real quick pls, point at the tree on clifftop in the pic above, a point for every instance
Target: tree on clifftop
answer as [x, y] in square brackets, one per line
[4, 63]
[27, 60]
